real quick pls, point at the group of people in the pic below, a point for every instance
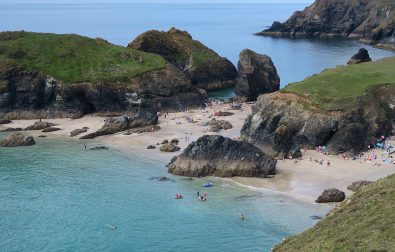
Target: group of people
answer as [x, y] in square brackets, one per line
[202, 197]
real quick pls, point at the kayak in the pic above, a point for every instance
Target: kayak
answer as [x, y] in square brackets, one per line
[208, 184]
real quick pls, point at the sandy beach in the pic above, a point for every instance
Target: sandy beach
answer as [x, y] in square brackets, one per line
[303, 179]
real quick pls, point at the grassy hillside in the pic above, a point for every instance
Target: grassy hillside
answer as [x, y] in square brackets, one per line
[337, 88]
[73, 58]
[366, 223]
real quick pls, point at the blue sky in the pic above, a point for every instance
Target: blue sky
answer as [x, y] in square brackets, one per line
[157, 1]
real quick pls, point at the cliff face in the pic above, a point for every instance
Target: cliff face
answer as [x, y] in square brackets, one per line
[77, 79]
[202, 65]
[281, 124]
[372, 21]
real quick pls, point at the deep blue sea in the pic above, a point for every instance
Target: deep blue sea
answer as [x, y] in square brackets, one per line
[56, 196]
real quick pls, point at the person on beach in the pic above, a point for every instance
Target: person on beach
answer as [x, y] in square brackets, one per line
[198, 194]
[205, 195]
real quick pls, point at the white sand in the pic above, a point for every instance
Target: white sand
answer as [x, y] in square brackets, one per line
[303, 179]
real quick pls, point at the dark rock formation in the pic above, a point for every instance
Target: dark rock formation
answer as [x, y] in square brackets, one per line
[360, 57]
[331, 195]
[368, 20]
[39, 125]
[5, 121]
[223, 157]
[17, 139]
[203, 66]
[165, 141]
[117, 124]
[358, 185]
[100, 148]
[280, 125]
[50, 129]
[169, 147]
[218, 125]
[175, 141]
[11, 129]
[256, 75]
[151, 147]
[77, 132]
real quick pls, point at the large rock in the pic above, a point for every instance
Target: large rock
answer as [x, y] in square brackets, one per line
[169, 147]
[217, 125]
[40, 125]
[256, 75]
[331, 195]
[360, 57]
[28, 94]
[281, 124]
[50, 129]
[369, 20]
[117, 124]
[358, 185]
[223, 157]
[202, 65]
[17, 139]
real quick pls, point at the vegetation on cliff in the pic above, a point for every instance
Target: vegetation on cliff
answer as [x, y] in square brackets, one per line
[72, 58]
[366, 222]
[338, 88]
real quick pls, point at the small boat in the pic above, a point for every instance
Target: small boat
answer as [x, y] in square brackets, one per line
[208, 184]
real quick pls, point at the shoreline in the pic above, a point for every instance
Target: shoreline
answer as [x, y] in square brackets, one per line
[301, 179]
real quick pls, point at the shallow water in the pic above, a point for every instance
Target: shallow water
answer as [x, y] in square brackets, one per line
[63, 197]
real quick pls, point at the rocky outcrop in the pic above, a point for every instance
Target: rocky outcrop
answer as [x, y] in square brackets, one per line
[11, 129]
[360, 57]
[358, 185]
[223, 157]
[218, 125]
[331, 195]
[77, 132]
[372, 21]
[5, 121]
[17, 139]
[39, 125]
[28, 93]
[281, 124]
[256, 75]
[169, 147]
[117, 124]
[50, 129]
[202, 65]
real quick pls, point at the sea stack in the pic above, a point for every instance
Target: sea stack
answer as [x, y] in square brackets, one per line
[256, 75]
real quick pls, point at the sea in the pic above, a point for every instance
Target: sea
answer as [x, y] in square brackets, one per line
[57, 196]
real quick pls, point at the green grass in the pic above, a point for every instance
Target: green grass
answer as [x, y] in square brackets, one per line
[338, 88]
[366, 223]
[74, 59]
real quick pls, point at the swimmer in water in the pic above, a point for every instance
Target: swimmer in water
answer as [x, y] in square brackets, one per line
[242, 217]
[112, 226]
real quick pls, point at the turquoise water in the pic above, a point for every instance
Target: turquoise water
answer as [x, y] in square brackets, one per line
[61, 197]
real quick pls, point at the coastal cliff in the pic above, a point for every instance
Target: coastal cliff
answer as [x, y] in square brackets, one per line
[202, 65]
[345, 109]
[48, 75]
[371, 21]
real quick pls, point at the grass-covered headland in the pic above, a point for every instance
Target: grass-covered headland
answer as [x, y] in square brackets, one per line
[338, 88]
[74, 59]
[366, 222]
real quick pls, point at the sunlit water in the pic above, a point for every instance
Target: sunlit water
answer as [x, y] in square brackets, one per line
[61, 197]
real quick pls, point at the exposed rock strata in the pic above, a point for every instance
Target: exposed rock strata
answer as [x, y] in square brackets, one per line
[372, 21]
[280, 124]
[256, 75]
[223, 157]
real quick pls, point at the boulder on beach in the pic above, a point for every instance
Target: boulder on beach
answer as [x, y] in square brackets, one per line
[11, 129]
[331, 195]
[100, 148]
[256, 75]
[358, 185]
[77, 132]
[175, 141]
[223, 157]
[40, 125]
[50, 129]
[360, 57]
[17, 139]
[114, 125]
[5, 121]
[169, 147]
[165, 141]
[151, 147]
[217, 125]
